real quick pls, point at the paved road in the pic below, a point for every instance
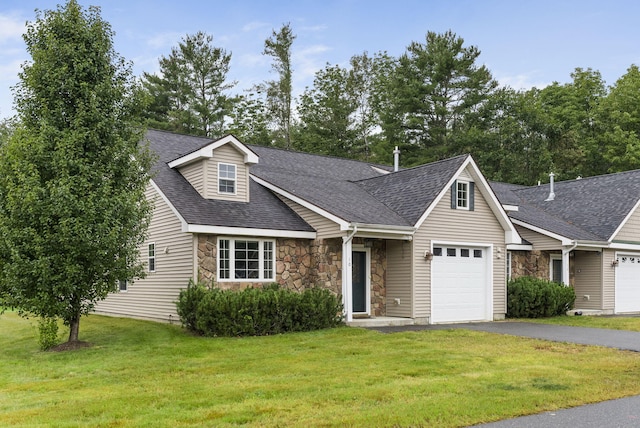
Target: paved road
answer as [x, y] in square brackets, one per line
[621, 413]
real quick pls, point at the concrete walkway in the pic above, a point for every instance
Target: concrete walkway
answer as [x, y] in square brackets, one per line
[621, 413]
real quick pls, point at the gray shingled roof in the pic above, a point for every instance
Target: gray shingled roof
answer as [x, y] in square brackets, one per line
[588, 209]
[327, 182]
[265, 211]
[352, 190]
[410, 192]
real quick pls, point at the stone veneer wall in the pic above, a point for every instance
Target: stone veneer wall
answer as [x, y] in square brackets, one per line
[301, 263]
[530, 263]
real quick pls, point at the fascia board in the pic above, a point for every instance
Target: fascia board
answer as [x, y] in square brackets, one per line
[344, 225]
[563, 239]
[245, 231]
[207, 152]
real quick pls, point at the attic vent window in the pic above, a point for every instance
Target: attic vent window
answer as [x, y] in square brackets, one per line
[226, 178]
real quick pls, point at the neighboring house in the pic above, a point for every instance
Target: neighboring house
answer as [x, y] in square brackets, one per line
[422, 245]
[583, 232]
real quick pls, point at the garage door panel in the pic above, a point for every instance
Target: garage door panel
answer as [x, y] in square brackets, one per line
[459, 284]
[628, 283]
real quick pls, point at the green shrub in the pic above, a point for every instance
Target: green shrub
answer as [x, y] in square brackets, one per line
[529, 297]
[47, 332]
[256, 311]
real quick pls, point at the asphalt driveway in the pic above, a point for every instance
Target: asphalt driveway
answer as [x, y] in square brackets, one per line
[621, 413]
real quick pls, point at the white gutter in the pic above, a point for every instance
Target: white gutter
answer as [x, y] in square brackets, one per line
[565, 262]
[347, 269]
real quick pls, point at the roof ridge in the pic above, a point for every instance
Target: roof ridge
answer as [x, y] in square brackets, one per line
[413, 168]
[322, 155]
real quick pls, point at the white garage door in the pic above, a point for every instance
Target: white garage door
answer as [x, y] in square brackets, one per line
[460, 288]
[628, 283]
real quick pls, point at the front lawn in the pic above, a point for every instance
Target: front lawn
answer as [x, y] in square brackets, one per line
[147, 374]
[610, 322]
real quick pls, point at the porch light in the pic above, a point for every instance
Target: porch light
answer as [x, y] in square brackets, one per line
[614, 263]
[428, 255]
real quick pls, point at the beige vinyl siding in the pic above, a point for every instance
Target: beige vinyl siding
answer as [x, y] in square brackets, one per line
[539, 241]
[154, 297]
[588, 279]
[608, 280]
[229, 155]
[630, 232]
[194, 173]
[445, 224]
[324, 227]
[398, 280]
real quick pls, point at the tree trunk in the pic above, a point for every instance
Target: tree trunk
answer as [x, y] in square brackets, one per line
[74, 328]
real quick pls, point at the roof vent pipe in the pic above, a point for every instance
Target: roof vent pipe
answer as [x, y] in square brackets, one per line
[552, 194]
[396, 160]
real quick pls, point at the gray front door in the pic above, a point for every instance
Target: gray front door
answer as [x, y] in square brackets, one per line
[359, 281]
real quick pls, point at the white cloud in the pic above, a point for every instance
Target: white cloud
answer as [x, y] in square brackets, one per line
[255, 25]
[9, 71]
[314, 29]
[523, 81]
[165, 40]
[11, 28]
[309, 60]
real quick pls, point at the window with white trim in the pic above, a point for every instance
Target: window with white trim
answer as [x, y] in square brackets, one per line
[555, 268]
[509, 258]
[152, 257]
[462, 195]
[241, 259]
[227, 178]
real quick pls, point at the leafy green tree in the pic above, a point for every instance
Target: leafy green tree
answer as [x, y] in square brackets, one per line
[620, 114]
[7, 126]
[279, 92]
[73, 175]
[433, 89]
[190, 94]
[506, 138]
[250, 121]
[326, 114]
[336, 116]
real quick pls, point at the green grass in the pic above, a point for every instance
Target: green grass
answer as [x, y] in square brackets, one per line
[610, 322]
[141, 374]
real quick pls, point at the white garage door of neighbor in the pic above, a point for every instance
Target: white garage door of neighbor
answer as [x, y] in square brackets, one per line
[628, 283]
[459, 290]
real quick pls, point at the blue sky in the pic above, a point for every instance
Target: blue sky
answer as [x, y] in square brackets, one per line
[523, 43]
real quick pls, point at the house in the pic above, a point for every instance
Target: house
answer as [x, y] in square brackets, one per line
[422, 245]
[583, 232]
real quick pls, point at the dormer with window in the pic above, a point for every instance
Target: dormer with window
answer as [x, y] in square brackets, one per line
[219, 170]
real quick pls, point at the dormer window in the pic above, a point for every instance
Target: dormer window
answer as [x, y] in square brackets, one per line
[462, 195]
[226, 178]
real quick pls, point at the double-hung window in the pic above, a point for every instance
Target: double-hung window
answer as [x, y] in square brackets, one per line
[241, 259]
[152, 257]
[227, 178]
[462, 195]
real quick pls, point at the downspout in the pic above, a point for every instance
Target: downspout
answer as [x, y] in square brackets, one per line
[565, 262]
[347, 299]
